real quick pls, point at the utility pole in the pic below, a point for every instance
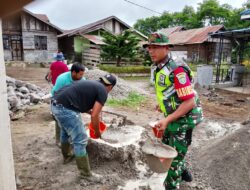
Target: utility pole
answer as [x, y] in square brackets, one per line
[7, 172]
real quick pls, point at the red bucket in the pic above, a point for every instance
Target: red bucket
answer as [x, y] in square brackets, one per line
[158, 133]
[102, 128]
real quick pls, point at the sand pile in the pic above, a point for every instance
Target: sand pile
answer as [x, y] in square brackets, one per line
[122, 88]
[225, 163]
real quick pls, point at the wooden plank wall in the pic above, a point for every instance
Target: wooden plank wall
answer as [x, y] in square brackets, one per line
[92, 56]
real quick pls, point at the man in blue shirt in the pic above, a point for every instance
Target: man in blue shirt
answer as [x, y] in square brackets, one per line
[76, 73]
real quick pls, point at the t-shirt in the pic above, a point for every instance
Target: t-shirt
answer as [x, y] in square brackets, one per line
[81, 95]
[57, 68]
[63, 80]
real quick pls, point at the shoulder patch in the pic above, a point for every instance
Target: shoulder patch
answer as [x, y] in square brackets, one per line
[181, 77]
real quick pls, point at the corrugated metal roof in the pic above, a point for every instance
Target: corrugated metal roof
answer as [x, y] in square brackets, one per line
[245, 12]
[168, 31]
[95, 26]
[193, 36]
[82, 29]
[95, 39]
[42, 17]
[238, 33]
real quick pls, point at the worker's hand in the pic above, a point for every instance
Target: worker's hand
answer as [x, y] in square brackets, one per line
[157, 108]
[162, 124]
[98, 134]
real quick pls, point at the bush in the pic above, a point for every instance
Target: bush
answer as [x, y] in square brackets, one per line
[125, 69]
[193, 67]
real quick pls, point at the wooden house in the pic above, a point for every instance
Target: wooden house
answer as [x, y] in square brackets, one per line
[196, 45]
[29, 37]
[84, 43]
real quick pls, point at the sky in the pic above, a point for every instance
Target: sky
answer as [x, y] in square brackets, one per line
[70, 14]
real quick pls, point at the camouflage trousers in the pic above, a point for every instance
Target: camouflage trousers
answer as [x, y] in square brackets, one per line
[175, 136]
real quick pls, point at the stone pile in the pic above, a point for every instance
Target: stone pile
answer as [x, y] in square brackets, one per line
[122, 88]
[21, 94]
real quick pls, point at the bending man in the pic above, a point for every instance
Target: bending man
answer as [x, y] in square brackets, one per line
[67, 105]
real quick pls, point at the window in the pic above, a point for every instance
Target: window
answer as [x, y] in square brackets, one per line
[41, 42]
[6, 42]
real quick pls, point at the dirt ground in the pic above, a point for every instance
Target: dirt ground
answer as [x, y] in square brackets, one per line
[218, 158]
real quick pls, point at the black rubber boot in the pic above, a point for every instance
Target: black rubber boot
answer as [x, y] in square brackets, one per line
[57, 135]
[66, 152]
[186, 176]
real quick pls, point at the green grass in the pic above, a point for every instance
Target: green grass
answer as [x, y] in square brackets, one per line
[133, 100]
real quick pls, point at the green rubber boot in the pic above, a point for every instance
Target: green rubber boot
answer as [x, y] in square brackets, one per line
[83, 166]
[66, 152]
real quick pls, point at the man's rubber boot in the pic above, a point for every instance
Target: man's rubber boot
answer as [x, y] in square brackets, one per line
[66, 152]
[186, 176]
[57, 135]
[83, 166]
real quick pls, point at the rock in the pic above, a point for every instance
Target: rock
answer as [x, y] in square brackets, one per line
[25, 101]
[46, 98]
[34, 98]
[11, 91]
[20, 95]
[24, 90]
[41, 94]
[31, 87]
[13, 100]
[10, 81]
[19, 83]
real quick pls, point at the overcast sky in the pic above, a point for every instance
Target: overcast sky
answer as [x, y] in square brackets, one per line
[69, 14]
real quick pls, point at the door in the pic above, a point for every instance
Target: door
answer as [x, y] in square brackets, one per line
[16, 48]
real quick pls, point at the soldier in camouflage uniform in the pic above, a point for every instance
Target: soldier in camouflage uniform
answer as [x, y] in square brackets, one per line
[179, 103]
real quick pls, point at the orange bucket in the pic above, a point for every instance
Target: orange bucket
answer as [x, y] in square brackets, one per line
[102, 128]
[158, 133]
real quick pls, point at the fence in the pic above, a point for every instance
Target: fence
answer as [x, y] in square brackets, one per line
[236, 75]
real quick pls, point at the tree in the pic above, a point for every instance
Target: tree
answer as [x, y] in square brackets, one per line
[211, 13]
[165, 20]
[148, 25]
[120, 46]
[190, 18]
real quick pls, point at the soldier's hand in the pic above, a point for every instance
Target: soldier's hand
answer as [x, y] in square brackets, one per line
[162, 124]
